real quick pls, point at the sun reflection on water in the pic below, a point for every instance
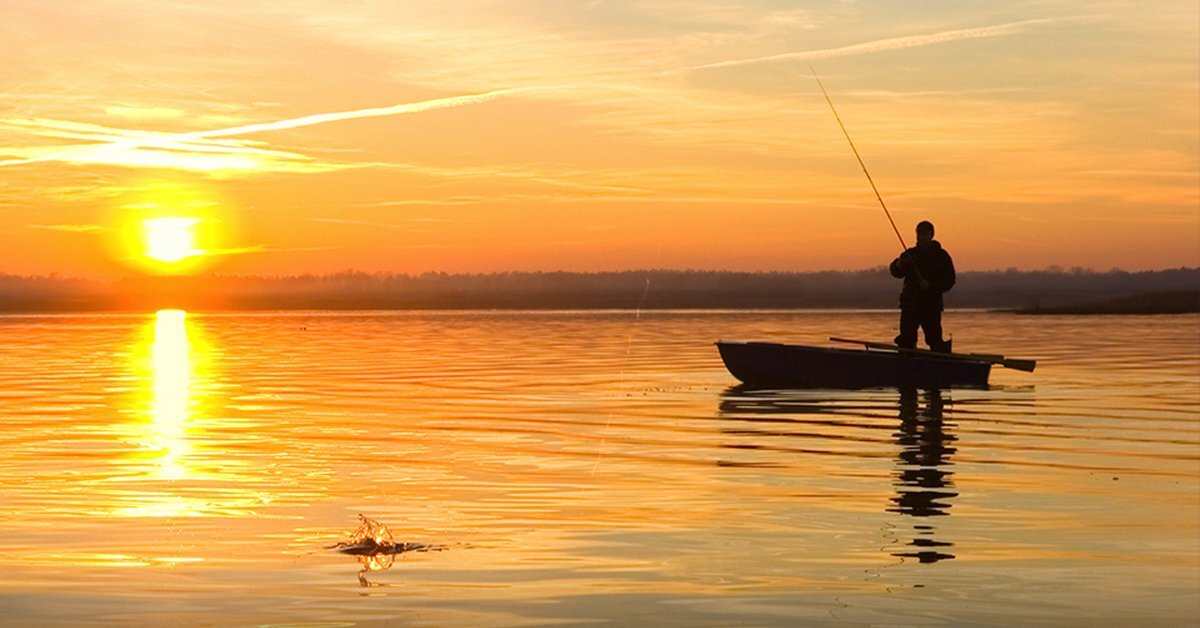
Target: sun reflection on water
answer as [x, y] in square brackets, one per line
[171, 369]
[180, 469]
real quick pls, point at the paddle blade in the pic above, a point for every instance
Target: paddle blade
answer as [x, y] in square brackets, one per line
[1020, 365]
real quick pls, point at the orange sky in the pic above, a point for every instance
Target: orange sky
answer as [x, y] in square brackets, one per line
[319, 136]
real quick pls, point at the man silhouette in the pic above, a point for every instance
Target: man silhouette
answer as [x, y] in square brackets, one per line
[928, 272]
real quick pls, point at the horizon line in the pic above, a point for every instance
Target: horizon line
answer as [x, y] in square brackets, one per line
[1054, 268]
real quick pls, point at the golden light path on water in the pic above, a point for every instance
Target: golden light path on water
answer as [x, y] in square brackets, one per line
[172, 369]
[181, 470]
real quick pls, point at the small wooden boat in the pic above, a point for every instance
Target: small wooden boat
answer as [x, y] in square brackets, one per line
[768, 364]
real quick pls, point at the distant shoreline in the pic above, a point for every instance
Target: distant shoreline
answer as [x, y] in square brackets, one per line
[1029, 292]
[1179, 302]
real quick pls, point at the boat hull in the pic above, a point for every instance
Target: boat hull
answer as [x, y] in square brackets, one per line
[766, 364]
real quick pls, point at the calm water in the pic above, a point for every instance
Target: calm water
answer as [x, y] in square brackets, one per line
[581, 468]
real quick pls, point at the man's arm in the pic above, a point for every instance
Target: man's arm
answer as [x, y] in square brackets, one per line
[947, 279]
[901, 265]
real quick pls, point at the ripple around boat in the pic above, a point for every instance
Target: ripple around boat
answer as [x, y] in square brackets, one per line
[770, 364]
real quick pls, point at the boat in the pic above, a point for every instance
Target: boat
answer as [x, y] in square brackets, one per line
[774, 365]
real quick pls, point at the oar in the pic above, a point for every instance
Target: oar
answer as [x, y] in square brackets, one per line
[1011, 363]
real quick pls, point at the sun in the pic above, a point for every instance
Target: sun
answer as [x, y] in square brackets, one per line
[170, 227]
[170, 240]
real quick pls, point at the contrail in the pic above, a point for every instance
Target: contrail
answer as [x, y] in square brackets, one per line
[171, 139]
[893, 43]
[374, 112]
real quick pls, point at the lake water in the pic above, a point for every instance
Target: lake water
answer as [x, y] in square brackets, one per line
[587, 468]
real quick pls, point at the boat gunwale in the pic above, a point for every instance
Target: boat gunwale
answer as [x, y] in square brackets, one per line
[898, 353]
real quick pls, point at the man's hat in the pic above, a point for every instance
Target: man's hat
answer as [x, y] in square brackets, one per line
[925, 225]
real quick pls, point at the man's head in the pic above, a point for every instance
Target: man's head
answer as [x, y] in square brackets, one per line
[924, 232]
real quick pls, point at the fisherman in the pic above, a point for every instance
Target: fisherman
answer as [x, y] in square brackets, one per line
[928, 272]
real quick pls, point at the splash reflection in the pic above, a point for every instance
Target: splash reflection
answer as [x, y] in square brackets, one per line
[375, 549]
[372, 563]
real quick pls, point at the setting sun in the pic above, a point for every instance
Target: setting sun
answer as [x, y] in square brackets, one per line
[170, 240]
[170, 226]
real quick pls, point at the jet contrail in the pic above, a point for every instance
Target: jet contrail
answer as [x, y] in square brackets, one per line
[374, 112]
[171, 139]
[893, 43]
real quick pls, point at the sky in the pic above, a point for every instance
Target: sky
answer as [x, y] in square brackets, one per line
[317, 136]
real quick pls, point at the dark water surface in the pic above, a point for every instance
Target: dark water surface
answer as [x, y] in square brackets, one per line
[583, 467]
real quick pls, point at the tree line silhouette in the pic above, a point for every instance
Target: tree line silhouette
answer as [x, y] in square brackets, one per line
[649, 289]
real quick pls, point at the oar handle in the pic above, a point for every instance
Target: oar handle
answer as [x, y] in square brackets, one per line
[1011, 363]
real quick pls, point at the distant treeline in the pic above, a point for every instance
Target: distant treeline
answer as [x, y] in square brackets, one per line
[650, 289]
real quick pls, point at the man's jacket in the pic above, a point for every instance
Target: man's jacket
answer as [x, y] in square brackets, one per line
[934, 265]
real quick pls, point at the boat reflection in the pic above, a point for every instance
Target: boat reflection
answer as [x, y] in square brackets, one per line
[922, 441]
[923, 481]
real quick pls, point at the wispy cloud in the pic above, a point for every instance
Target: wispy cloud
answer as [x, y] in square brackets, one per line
[259, 248]
[201, 150]
[891, 43]
[69, 228]
[376, 224]
[449, 200]
[145, 113]
[578, 179]
[373, 112]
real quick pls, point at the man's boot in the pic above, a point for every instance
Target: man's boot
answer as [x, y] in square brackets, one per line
[942, 347]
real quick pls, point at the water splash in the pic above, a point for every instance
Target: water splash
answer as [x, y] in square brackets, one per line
[372, 530]
[373, 538]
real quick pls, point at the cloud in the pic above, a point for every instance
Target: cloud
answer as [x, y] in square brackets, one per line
[260, 248]
[407, 225]
[145, 113]
[201, 150]
[69, 228]
[450, 200]
[892, 43]
[374, 112]
[573, 179]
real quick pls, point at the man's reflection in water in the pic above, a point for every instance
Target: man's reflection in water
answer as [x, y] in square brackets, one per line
[924, 484]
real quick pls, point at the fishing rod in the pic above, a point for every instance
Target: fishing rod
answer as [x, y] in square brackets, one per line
[859, 157]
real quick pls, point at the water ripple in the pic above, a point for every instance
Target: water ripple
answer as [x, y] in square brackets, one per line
[568, 457]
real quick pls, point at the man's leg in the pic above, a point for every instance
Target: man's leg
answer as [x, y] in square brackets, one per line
[910, 320]
[931, 323]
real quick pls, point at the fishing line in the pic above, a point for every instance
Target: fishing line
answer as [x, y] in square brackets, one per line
[637, 318]
[859, 157]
